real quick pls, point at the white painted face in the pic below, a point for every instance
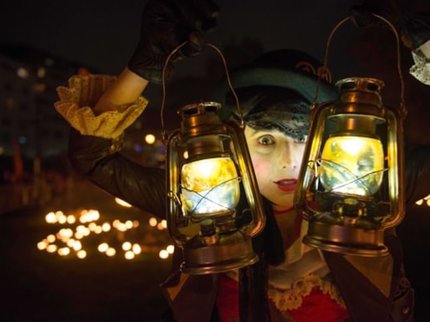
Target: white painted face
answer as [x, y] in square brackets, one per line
[276, 158]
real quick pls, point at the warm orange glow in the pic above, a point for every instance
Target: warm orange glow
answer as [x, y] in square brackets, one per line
[150, 138]
[122, 203]
[77, 245]
[71, 219]
[89, 215]
[126, 246]
[111, 252]
[352, 164]
[50, 218]
[129, 255]
[170, 249]
[51, 248]
[51, 238]
[129, 224]
[103, 247]
[70, 243]
[163, 254]
[425, 200]
[136, 249]
[64, 251]
[106, 227]
[210, 185]
[153, 221]
[121, 227]
[68, 239]
[42, 245]
[81, 254]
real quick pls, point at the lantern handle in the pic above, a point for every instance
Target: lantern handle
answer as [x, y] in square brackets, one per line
[403, 110]
[163, 77]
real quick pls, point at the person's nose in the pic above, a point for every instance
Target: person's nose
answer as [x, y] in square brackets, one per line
[286, 159]
[291, 158]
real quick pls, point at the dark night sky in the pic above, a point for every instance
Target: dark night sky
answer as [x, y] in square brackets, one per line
[103, 33]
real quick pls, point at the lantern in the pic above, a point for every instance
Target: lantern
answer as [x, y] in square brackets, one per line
[350, 186]
[208, 172]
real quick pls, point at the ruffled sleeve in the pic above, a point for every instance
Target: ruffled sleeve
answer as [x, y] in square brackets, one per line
[83, 92]
[421, 68]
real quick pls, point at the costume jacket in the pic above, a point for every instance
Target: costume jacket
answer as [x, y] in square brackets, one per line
[373, 289]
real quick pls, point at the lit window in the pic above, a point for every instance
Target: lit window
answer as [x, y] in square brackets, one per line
[22, 73]
[41, 72]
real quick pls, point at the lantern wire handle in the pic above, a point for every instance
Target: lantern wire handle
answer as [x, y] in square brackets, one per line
[403, 111]
[163, 100]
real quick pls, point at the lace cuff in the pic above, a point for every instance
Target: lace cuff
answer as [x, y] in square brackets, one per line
[292, 298]
[83, 93]
[421, 69]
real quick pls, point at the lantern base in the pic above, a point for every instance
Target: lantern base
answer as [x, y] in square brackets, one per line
[226, 255]
[346, 239]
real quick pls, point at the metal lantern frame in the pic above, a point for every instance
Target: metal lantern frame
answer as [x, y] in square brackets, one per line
[211, 242]
[344, 222]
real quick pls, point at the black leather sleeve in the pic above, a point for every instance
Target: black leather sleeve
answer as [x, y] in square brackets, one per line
[143, 187]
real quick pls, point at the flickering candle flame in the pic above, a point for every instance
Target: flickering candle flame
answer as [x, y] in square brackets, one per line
[111, 251]
[129, 255]
[81, 254]
[126, 246]
[153, 221]
[136, 249]
[163, 254]
[103, 247]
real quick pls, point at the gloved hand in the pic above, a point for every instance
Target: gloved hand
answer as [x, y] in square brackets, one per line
[415, 30]
[165, 25]
[362, 14]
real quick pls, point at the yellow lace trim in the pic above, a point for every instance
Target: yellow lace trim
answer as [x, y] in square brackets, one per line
[76, 102]
[290, 299]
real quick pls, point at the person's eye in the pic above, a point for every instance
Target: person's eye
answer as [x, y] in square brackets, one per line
[302, 139]
[266, 140]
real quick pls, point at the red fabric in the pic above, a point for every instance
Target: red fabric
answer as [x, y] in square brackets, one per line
[319, 307]
[316, 306]
[228, 299]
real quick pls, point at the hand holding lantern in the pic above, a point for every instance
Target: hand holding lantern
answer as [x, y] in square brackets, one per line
[208, 169]
[166, 24]
[350, 186]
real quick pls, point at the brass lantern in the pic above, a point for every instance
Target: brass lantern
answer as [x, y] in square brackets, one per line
[208, 170]
[350, 188]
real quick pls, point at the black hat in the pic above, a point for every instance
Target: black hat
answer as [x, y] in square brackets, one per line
[277, 89]
[284, 68]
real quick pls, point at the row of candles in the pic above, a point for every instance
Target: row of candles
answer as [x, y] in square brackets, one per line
[68, 240]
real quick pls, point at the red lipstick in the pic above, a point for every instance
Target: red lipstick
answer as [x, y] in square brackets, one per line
[286, 184]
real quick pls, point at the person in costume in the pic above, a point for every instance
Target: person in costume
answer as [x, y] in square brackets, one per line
[291, 282]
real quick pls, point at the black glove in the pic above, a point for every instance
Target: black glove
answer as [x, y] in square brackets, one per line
[362, 14]
[165, 25]
[415, 30]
